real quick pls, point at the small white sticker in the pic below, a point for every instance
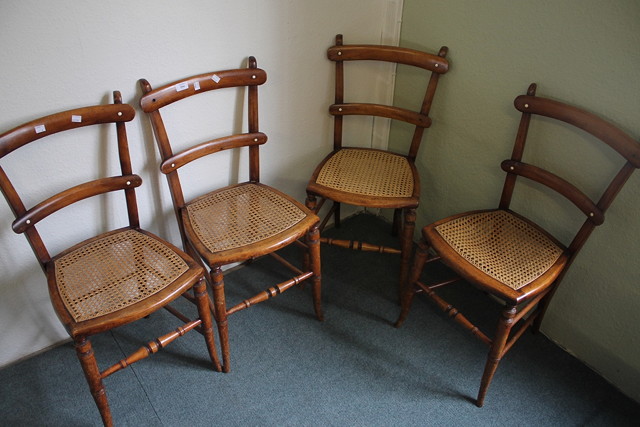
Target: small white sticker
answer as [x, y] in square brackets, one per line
[215, 78]
[76, 119]
[40, 129]
[182, 86]
[196, 85]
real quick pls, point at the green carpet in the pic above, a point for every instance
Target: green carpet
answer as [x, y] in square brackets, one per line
[353, 369]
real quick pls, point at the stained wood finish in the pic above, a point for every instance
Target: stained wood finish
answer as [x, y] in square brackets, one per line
[211, 250]
[390, 112]
[404, 205]
[526, 305]
[192, 275]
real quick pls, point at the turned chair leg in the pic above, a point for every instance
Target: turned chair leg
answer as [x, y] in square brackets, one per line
[410, 290]
[311, 202]
[217, 281]
[406, 248]
[313, 240]
[204, 312]
[92, 374]
[497, 351]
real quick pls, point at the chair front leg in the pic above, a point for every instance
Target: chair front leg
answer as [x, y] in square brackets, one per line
[204, 312]
[94, 379]
[219, 300]
[409, 291]
[406, 247]
[496, 351]
[313, 241]
[311, 202]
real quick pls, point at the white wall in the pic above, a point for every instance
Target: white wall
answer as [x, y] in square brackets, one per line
[66, 54]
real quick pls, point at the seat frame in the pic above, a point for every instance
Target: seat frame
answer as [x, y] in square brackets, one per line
[404, 207]
[27, 219]
[527, 305]
[305, 234]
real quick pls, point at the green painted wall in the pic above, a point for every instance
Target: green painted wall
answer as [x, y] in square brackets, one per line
[585, 52]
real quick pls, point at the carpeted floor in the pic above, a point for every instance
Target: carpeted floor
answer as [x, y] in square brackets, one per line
[352, 369]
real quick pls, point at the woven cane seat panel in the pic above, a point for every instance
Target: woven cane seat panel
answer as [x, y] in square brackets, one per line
[115, 272]
[240, 216]
[501, 245]
[368, 172]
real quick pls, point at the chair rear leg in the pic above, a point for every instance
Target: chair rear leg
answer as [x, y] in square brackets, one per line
[397, 222]
[406, 248]
[217, 280]
[313, 240]
[94, 379]
[409, 291]
[542, 309]
[496, 352]
[204, 312]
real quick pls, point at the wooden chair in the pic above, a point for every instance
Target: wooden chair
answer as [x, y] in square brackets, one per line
[368, 177]
[239, 222]
[114, 278]
[505, 254]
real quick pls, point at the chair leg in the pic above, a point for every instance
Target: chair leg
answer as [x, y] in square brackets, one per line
[311, 203]
[496, 352]
[410, 291]
[217, 280]
[94, 379]
[406, 247]
[204, 312]
[336, 214]
[397, 222]
[542, 308]
[313, 240]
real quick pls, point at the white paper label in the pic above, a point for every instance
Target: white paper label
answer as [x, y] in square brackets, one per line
[76, 119]
[182, 86]
[196, 85]
[215, 78]
[40, 129]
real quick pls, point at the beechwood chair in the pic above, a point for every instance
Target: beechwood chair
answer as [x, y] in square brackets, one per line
[505, 254]
[234, 223]
[368, 177]
[114, 278]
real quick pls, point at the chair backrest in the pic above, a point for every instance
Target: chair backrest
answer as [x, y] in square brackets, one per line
[27, 218]
[601, 129]
[153, 100]
[434, 64]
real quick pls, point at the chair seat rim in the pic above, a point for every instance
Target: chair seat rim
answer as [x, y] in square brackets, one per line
[127, 314]
[256, 249]
[362, 200]
[359, 199]
[484, 281]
